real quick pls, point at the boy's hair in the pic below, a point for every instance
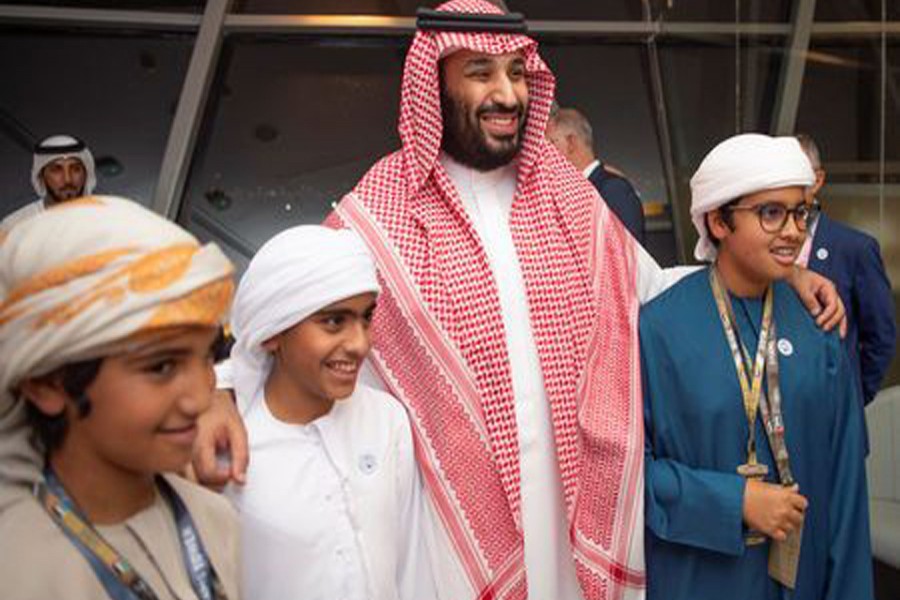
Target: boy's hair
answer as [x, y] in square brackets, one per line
[727, 218]
[48, 432]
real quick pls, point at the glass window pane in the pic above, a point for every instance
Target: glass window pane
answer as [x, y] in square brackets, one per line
[118, 94]
[707, 103]
[847, 127]
[625, 139]
[855, 10]
[290, 129]
[723, 10]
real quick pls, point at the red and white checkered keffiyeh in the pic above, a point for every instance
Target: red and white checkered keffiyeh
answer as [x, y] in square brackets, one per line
[439, 336]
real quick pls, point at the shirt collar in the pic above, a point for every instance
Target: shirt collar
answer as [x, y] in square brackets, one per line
[478, 180]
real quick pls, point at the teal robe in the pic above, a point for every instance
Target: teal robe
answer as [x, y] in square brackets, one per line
[696, 436]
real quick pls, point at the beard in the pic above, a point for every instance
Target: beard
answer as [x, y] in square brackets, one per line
[64, 193]
[465, 141]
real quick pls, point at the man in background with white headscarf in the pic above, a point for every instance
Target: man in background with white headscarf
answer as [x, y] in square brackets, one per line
[750, 489]
[507, 323]
[62, 169]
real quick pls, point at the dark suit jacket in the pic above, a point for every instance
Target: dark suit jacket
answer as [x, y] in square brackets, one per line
[621, 199]
[852, 260]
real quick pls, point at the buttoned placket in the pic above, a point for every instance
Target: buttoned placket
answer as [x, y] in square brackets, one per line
[351, 557]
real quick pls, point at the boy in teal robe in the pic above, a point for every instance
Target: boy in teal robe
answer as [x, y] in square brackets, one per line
[702, 516]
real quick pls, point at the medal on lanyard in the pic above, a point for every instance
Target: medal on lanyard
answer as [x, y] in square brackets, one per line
[751, 389]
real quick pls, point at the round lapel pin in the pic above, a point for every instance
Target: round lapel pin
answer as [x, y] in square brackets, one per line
[367, 464]
[785, 347]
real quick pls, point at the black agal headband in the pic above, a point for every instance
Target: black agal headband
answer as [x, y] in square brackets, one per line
[428, 19]
[72, 148]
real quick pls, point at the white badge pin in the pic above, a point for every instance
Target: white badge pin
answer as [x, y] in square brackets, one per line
[785, 347]
[367, 464]
[822, 253]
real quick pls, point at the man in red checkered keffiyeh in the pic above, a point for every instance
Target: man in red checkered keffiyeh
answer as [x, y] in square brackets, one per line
[507, 325]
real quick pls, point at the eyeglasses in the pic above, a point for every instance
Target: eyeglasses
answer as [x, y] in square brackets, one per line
[773, 216]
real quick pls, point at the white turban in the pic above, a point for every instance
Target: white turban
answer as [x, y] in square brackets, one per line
[57, 147]
[742, 165]
[84, 275]
[295, 274]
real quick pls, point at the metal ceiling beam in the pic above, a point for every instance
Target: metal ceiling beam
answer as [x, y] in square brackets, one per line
[52, 17]
[48, 16]
[384, 25]
[188, 115]
[664, 134]
[790, 82]
[854, 29]
[320, 24]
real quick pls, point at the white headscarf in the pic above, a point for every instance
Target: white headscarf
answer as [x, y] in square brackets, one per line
[57, 147]
[81, 276]
[295, 274]
[742, 165]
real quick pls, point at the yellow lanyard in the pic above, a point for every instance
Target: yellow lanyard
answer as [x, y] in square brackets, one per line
[751, 390]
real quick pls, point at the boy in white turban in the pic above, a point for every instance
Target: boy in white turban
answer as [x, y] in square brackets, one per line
[107, 318]
[332, 499]
[755, 480]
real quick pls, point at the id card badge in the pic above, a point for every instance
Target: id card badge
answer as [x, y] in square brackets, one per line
[784, 558]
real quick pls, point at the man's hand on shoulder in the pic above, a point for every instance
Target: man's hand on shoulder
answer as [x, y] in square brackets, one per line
[220, 431]
[821, 298]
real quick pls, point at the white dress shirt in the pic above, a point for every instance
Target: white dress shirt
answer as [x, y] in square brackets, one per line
[332, 509]
[20, 214]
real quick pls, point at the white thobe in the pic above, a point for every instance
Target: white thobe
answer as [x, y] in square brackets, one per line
[331, 509]
[487, 198]
[20, 214]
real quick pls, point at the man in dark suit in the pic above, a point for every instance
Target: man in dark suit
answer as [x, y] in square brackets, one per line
[573, 135]
[852, 260]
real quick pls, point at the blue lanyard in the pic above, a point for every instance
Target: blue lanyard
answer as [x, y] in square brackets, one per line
[204, 580]
[120, 580]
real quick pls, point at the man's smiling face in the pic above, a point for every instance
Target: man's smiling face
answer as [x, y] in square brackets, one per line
[484, 103]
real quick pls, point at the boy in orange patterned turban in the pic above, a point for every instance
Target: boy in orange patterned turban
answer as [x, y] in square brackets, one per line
[107, 317]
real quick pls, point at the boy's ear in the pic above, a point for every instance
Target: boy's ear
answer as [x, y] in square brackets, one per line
[46, 394]
[271, 344]
[716, 224]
